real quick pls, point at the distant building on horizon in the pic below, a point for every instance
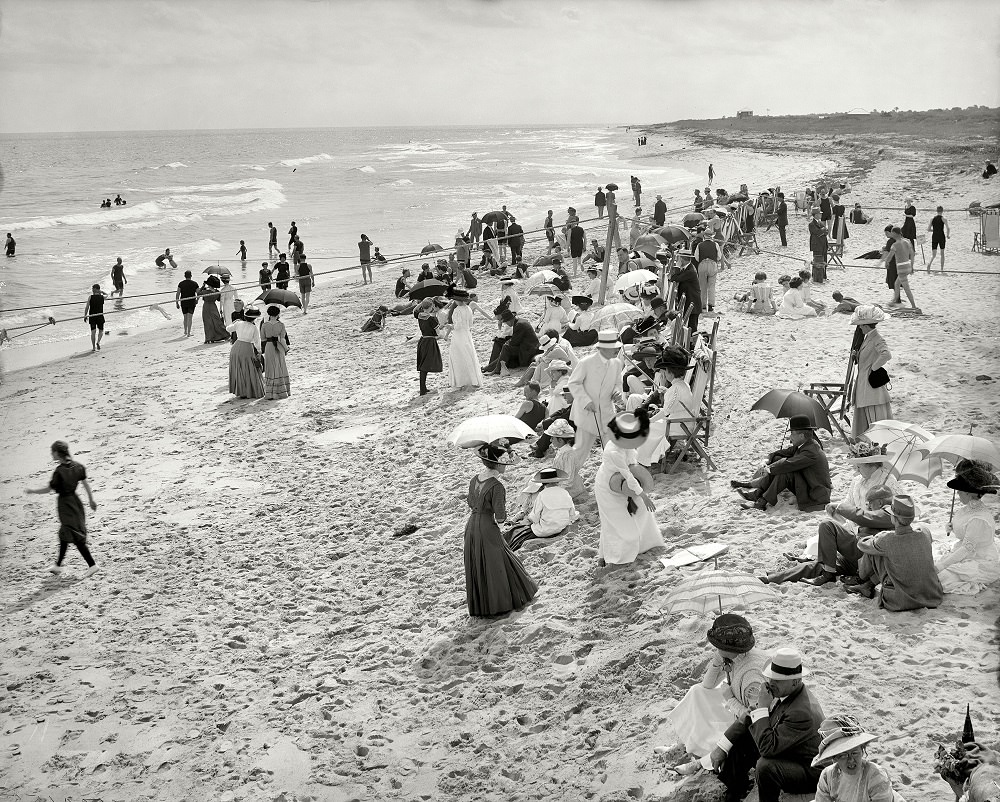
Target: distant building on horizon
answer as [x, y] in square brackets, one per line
[744, 113]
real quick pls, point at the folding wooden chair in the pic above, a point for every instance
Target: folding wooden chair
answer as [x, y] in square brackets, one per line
[988, 238]
[697, 425]
[748, 242]
[830, 393]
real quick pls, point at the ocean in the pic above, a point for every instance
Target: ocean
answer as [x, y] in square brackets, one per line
[200, 192]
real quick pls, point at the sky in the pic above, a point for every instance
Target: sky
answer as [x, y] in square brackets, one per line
[105, 65]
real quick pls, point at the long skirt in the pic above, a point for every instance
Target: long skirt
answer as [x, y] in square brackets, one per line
[276, 382]
[866, 416]
[495, 580]
[429, 355]
[463, 361]
[700, 719]
[623, 537]
[244, 378]
[215, 329]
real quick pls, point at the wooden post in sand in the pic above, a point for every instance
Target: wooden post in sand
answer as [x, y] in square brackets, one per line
[612, 227]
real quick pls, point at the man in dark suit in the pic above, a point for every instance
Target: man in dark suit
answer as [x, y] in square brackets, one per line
[685, 275]
[519, 350]
[779, 738]
[801, 468]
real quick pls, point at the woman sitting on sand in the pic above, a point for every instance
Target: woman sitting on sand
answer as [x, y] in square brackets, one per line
[974, 561]
[276, 344]
[495, 580]
[793, 306]
[244, 375]
[211, 317]
[849, 775]
[726, 694]
[628, 527]
[554, 317]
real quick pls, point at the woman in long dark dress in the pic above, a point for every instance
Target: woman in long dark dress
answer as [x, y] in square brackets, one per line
[428, 350]
[211, 317]
[72, 518]
[909, 226]
[495, 580]
[839, 232]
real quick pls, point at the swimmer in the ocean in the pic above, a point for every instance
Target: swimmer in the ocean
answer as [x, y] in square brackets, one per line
[118, 200]
[165, 257]
[118, 279]
[9, 245]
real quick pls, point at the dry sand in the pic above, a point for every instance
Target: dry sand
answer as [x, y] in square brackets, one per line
[261, 632]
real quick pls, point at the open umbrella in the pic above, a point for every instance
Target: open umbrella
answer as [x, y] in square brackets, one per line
[539, 277]
[905, 462]
[955, 447]
[649, 244]
[692, 218]
[493, 217]
[431, 247]
[785, 403]
[613, 187]
[284, 297]
[711, 590]
[483, 429]
[614, 316]
[634, 278]
[217, 270]
[429, 288]
[545, 289]
[644, 262]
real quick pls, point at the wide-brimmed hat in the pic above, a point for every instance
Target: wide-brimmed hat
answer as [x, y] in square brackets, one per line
[562, 429]
[964, 485]
[549, 476]
[867, 315]
[628, 426]
[507, 281]
[732, 633]
[647, 350]
[608, 338]
[583, 300]
[459, 294]
[593, 270]
[840, 734]
[903, 507]
[507, 316]
[800, 423]
[864, 452]
[251, 312]
[559, 364]
[786, 663]
[657, 302]
[495, 454]
[674, 358]
[544, 340]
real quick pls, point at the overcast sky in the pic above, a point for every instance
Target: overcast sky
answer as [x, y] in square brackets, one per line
[75, 65]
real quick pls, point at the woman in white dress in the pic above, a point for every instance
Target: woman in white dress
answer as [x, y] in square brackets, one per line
[463, 361]
[974, 561]
[621, 488]
[726, 694]
[793, 305]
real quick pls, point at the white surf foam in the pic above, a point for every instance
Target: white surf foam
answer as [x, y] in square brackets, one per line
[319, 157]
[172, 166]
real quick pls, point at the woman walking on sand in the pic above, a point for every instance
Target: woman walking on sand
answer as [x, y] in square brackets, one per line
[211, 317]
[72, 518]
[276, 344]
[244, 373]
[871, 397]
[307, 281]
[495, 580]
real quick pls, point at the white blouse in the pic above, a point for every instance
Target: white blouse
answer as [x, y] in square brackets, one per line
[246, 332]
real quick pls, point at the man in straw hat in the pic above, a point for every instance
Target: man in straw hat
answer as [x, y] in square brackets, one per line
[801, 468]
[780, 737]
[848, 772]
[552, 510]
[596, 384]
[901, 561]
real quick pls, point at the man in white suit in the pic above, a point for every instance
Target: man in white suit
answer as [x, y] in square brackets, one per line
[596, 384]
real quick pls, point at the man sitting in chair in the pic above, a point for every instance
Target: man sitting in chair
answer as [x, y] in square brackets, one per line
[801, 468]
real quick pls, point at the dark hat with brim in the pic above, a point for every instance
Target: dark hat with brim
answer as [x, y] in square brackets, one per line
[732, 633]
[460, 294]
[508, 316]
[963, 485]
[800, 423]
[646, 350]
[250, 312]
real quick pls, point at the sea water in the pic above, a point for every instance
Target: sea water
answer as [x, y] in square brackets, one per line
[200, 192]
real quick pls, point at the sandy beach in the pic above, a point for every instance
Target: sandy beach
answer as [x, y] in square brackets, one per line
[262, 629]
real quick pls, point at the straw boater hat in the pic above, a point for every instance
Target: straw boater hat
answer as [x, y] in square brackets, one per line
[560, 365]
[731, 633]
[629, 429]
[786, 663]
[562, 429]
[863, 452]
[608, 338]
[549, 476]
[840, 734]
[867, 316]
[251, 312]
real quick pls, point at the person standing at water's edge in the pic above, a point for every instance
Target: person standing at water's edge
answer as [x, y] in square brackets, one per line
[272, 240]
[93, 313]
[711, 176]
[365, 249]
[72, 518]
[475, 231]
[495, 580]
[293, 232]
[186, 300]
[282, 272]
[9, 245]
[163, 258]
[306, 282]
[264, 276]
[118, 279]
[600, 201]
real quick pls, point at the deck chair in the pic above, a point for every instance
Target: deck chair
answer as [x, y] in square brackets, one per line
[987, 240]
[835, 254]
[836, 397]
[748, 242]
[801, 204]
[697, 426]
